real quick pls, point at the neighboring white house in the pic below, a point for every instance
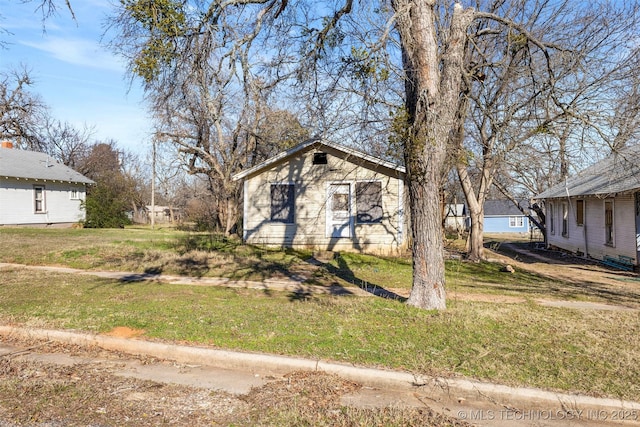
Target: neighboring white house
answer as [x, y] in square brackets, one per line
[325, 196]
[455, 217]
[597, 212]
[37, 190]
[163, 214]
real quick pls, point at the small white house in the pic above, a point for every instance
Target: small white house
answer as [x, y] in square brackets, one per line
[163, 214]
[455, 217]
[37, 190]
[325, 196]
[597, 212]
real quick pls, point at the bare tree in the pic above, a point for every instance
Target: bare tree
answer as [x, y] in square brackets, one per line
[20, 110]
[525, 92]
[205, 97]
[63, 141]
[208, 51]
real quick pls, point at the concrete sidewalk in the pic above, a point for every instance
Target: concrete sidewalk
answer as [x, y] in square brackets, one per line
[293, 284]
[290, 284]
[482, 404]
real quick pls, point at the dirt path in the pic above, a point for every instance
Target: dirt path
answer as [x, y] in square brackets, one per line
[621, 290]
[561, 266]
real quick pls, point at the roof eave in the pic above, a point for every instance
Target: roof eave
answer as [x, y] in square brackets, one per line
[309, 143]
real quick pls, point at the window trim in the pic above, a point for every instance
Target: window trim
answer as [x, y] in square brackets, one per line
[74, 194]
[580, 210]
[610, 236]
[565, 219]
[376, 220]
[518, 221]
[291, 216]
[552, 228]
[42, 200]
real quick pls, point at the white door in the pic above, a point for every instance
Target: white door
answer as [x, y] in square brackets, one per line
[339, 210]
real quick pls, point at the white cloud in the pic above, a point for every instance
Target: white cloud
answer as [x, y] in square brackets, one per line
[76, 51]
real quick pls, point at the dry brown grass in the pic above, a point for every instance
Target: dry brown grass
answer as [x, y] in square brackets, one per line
[37, 393]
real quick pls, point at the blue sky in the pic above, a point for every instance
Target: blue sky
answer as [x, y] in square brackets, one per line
[81, 81]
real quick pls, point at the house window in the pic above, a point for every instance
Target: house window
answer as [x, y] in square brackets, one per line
[516, 221]
[369, 202]
[340, 202]
[565, 220]
[38, 199]
[74, 194]
[319, 158]
[608, 222]
[580, 212]
[552, 226]
[282, 203]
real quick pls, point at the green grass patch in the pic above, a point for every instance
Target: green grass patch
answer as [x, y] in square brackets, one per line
[591, 352]
[141, 249]
[585, 351]
[171, 251]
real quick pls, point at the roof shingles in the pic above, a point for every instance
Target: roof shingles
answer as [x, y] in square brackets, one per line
[24, 164]
[618, 173]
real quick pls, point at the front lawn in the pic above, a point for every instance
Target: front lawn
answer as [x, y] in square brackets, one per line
[586, 351]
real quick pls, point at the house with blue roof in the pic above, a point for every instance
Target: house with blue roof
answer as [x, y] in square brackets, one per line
[37, 190]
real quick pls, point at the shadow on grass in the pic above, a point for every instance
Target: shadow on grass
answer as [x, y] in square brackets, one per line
[344, 272]
[150, 273]
[249, 262]
[304, 293]
[488, 278]
[191, 266]
[207, 242]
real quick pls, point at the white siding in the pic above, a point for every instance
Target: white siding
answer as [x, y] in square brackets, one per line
[17, 202]
[311, 183]
[590, 237]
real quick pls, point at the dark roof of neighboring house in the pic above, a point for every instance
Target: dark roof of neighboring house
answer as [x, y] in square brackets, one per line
[503, 207]
[618, 173]
[346, 152]
[24, 164]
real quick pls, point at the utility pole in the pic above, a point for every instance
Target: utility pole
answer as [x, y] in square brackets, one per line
[153, 184]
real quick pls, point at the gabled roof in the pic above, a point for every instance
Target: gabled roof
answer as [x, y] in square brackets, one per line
[24, 164]
[503, 208]
[618, 173]
[354, 156]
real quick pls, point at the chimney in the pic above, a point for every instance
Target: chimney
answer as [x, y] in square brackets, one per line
[6, 144]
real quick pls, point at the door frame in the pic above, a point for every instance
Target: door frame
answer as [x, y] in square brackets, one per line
[329, 222]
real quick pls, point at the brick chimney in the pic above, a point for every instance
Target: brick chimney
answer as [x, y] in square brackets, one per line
[6, 144]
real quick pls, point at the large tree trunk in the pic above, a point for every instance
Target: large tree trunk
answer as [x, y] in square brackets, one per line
[432, 86]
[231, 214]
[475, 204]
[475, 245]
[428, 260]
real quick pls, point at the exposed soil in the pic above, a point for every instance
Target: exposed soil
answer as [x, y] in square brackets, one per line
[560, 265]
[125, 332]
[616, 289]
[590, 278]
[37, 393]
